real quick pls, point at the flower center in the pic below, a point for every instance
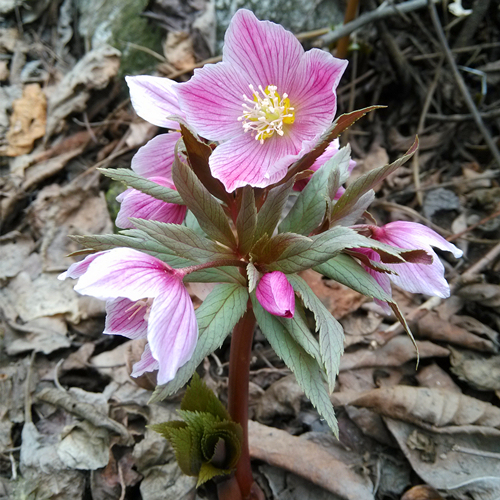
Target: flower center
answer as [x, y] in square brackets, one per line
[266, 113]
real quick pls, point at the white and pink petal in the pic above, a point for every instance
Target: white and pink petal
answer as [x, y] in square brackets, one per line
[275, 294]
[127, 318]
[146, 364]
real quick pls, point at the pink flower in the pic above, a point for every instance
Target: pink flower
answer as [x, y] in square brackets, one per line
[154, 162]
[330, 152]
[416, 278]
[276, 295]
[144, 298]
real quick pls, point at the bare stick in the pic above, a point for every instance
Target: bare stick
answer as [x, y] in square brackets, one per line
[461, 84]
[369, 17]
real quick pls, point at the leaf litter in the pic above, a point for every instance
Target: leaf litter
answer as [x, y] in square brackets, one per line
[73, 424]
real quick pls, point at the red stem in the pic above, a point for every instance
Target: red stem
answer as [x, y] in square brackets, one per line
[239, 375]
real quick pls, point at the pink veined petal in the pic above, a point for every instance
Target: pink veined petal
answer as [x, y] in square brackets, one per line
[263, 51]
[126, 273]
[172, 330]
[276, 295]
[313, 91]
[127, 318]
[146, 364]
[154, 99]
[413, 235]
[156, 158]
[142, 206]
[213, 100]
[79, 268]
[243, 160]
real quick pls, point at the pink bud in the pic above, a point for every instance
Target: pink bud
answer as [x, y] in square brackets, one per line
[276, 295]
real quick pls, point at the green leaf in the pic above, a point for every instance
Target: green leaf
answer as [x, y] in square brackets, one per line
[198, 154]
[306, 369]
[299, 331]
[192, 223]
[130, 178]
[208, 471]
[270, 212]
[204, 206]
[183, 241]
[132, 239]
[223, 274]
[246, 221]
[310, 207]
[365, 183]
[182, 443]
[232, 435]
[342, 123]
[216, 316]
[347, 271]
[199, 397]
[331, 333]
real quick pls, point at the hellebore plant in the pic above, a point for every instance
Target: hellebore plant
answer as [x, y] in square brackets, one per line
[207, 205]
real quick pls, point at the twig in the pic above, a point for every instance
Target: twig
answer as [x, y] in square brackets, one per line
[350, 14]
[473, 226]
[433, 55]
[479, 453]
[472, 23]
[420, 129]
[461, 84]
[369, 17]
[494, 113]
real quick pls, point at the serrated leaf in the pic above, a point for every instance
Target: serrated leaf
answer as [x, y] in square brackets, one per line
[232, 435]
[198, 154]
[134, 180]
[182, 442]
[270, 212]
[343, 122]
[183, 241]
[299, 331]
[217, 316]
[204, 206]
[132, 239]
[199, 397]
[331, 333]
[310, 207]
[366, 182]
[306, 369]
[223, 274]
[347, 271]
[208, 471]
[253, 277]
[246, 221]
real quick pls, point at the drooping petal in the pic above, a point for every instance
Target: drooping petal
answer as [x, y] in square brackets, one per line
[156, 158]
[213, 100]
[172, 330]
[243, 160]
[313, 91]
[263, 51]
[136, 204]
[402, 233]
[125, 273]
[79, 268]
[154, 99]
[276, 295]
[146, 364]
[127, 318]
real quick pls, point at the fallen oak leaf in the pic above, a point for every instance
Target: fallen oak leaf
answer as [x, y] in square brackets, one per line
[280, 449]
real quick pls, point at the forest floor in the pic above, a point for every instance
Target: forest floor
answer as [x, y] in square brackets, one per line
[72, 421]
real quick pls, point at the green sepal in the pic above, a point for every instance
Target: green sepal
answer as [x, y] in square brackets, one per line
[246, 221]
[204, 206]
[134, 180]
[311, 205]
[307, 371]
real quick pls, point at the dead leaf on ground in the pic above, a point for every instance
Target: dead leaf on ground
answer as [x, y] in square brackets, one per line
[436, 407]
[422, 492]
[434, 377]
[27, 123]
[460, 464]
[396, 352]
[479, 372]
[278, 448]
[486, 294]
[14, 253]
[337, 298]
[432, 327]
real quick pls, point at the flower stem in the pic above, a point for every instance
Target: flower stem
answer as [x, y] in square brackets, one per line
[218, 263]
[239, 375]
